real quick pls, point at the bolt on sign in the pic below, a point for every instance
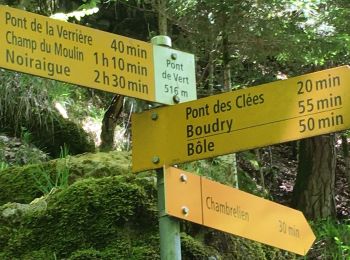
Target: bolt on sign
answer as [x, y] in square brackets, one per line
[67, 52]
[281, 111]
[205, 202]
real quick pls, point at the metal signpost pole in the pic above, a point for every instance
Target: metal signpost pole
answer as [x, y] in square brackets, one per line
[169, 227]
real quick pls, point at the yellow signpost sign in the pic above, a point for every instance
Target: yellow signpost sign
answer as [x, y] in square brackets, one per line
[80, 55]
[199, 200]
[300, 107]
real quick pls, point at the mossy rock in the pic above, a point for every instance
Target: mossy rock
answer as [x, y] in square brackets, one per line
[13, 151]
[101, 164]
[63, 133]
[27, 109]
[86, 254]
[20, 184]
[91, 213]
[193, 249]
[25, 106]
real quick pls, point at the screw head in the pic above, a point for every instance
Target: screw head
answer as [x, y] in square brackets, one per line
[183, 177]
[154, 116]
[185, 210]
[155, 159]
[176, 99]
[173, 56]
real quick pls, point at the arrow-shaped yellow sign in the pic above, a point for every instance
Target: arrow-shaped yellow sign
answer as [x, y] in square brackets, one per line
[300, 107]
[197, 199]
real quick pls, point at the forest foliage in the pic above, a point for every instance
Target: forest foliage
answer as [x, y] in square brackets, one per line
[259, 41]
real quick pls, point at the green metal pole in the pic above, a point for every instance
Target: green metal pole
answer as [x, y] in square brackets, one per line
[169, 228]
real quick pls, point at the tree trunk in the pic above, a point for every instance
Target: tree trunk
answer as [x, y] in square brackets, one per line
[313, 192]
[211, 74]
[232, 171]
[162, 19]
[109, 123]
[346, 155]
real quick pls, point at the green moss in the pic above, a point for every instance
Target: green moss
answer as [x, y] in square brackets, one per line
[5, 235]
[4, 256]
[18, 184]
[121, 252]
[233, 247]
[132, 246]
[90, 213]
[40, 254]
[192, 249]
[86, 254]
[100, 164]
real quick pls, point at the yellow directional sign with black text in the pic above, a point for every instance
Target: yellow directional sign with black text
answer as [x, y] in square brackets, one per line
[281, 111]
[205, 202]
[67, 52]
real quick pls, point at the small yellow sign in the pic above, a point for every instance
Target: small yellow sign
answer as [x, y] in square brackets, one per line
[45, 47]
[281, 111]
[199, 200]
